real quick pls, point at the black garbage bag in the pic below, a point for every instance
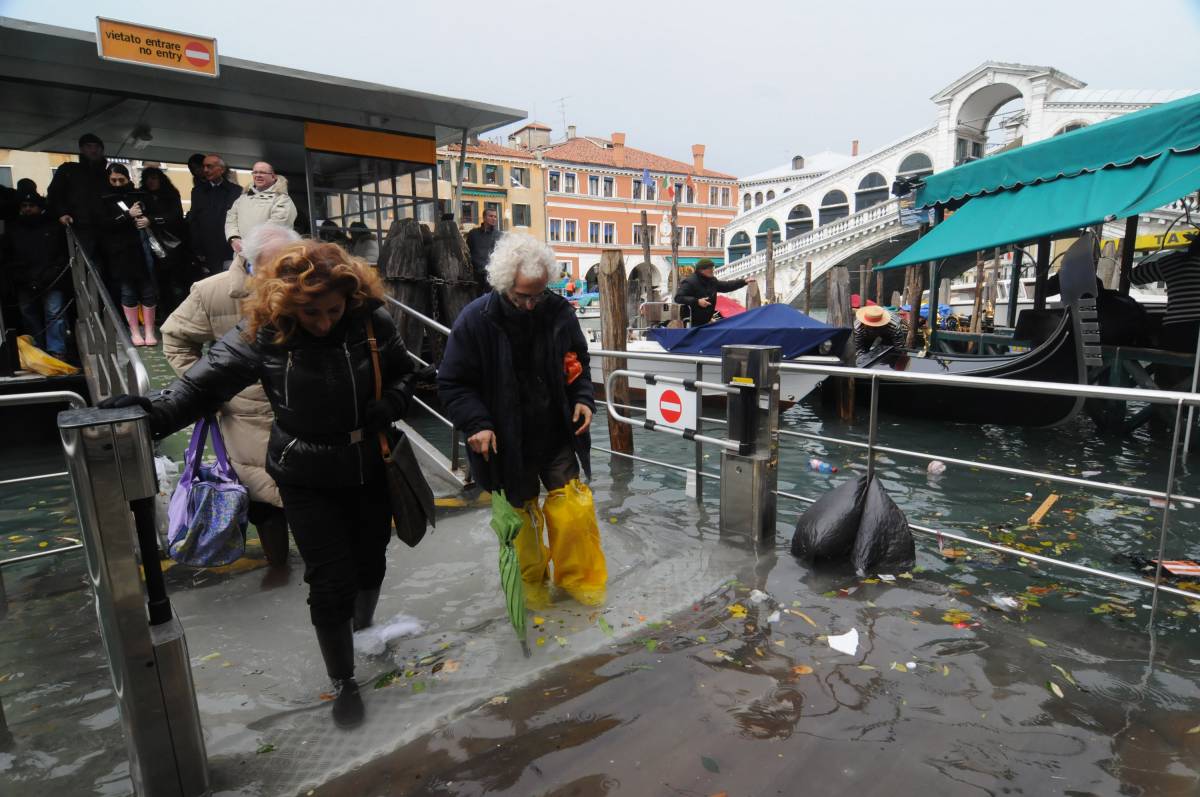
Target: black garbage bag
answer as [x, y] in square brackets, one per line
[856, 522]
[885, 542]
[827, 531]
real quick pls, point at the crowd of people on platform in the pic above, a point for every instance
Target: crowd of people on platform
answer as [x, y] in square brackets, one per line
[133, 228]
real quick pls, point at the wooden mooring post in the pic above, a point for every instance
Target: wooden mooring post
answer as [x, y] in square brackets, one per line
[840, 315]
[769, 275]
[613, 325]
[808, 287]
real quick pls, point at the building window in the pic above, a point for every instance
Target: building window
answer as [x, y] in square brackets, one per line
[593, 185]
[444, 170]
[770, 195]
[713, 236]
[470, 212]
[834, 206]
[713, 195]
[468, 171]
[519, 177]
[769, 229]
[872, 190]
[724, 197]
[916, 164]
[976, 149]
[739, 246]
[637, 234]
[1070, 126]
[609, 186]
[569, 183]
[637, 189]
[651, 190]
[521, 216]
[799, 221]
[492, 174]
[555, 182]
[445, 207]
[689, 236]
[758, 198]
[746, 202]
[555, 229]
[610, 232]
[593, 232]
[569, 228]
[678, 191]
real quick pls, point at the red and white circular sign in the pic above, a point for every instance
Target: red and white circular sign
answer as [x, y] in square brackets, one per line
[671, 406]
[198, 54]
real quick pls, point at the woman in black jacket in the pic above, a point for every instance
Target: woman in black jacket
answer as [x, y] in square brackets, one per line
[165, 209]
[305, 338]
[126, 255]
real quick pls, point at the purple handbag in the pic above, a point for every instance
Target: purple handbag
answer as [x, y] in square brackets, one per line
[206, 522]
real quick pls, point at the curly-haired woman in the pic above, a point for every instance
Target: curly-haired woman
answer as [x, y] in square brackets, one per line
[305, 338]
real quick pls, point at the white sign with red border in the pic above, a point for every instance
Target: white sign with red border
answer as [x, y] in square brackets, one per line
[671, 405]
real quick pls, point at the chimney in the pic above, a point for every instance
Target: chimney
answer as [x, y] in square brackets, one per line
[698, 157]
[618, 145]
[570, 132]
[854, 148]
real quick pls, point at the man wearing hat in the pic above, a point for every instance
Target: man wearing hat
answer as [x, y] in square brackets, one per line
[74, 195]
[874, 323]
[699, 292]
[35, 256]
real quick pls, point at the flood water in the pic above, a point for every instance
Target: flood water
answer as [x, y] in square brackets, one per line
[973, 674]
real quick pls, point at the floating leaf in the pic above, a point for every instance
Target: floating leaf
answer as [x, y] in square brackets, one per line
[956, 616]
[604, 626]
[651, 644]
[1196, 729]
[561, 640]
[539, 620]
[709, 764]
[1037, 643]
[945, 670]
[541, 641]
[384, 680]
[1055, 688]
[265, 748]
[498, 700]
[953, 553]
[802, 669]
[865, 667]
[210, 656]
[804, 617]
[898, 667]
[450, 666]
[1065, 674]
[737, 610]
[418, 687]
[702, 639]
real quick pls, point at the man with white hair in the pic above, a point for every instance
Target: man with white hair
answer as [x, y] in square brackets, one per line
[265, 201]
[515, 380]
[212, 308]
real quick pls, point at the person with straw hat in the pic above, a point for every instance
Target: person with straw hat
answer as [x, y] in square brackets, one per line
[875, 325]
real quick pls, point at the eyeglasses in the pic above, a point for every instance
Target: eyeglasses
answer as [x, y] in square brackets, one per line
[527, 300]
[264, 174]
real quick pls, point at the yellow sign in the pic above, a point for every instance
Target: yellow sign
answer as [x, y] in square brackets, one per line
[164, 49]
[1172, 240]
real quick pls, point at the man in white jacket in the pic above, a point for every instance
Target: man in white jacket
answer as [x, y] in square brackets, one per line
[264, 201]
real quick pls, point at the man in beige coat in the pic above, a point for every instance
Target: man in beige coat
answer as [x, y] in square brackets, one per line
[212, 308]
[265, 201]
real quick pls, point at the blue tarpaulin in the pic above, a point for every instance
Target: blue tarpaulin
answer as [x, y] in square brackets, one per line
[771, 325]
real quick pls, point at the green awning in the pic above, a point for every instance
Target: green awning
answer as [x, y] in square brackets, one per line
[1172, 127]
[482, 192]
[1042, 209]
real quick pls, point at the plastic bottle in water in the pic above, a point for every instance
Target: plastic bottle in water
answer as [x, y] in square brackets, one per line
[821, 467]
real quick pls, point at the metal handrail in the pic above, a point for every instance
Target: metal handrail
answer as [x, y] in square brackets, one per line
[688, 434]
[34, 478]
[39, 555]
[664, 357]
[417, 314]
[76, 401]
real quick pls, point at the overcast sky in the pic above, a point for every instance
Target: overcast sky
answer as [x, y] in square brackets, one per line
[757, 82]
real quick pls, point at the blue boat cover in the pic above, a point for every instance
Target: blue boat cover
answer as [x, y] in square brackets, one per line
[771, 325]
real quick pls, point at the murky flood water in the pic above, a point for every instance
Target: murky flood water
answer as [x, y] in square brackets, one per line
[710, 670]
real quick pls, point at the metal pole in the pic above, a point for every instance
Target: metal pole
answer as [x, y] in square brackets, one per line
[1191, 416]
[699, 428]
[1014, 285]
[1127, 248]
[1162, 538]
[872, 427]
[458, 186]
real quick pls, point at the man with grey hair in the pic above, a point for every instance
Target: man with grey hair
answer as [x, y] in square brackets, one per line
[514, 378]
[212, 198]
[212, 308]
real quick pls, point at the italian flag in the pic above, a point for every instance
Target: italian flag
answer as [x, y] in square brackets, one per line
[668, 190]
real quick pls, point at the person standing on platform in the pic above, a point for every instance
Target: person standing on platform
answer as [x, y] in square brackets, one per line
[211, 309]
[211, 200]
[265, 201]
[165, 208]
[127, 256]
[699, 292]
[35, 259]
[74, 196]
[363, 243]
[515, 380]
[480, 243]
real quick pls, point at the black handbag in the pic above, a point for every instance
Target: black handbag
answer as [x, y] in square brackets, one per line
[410, 495]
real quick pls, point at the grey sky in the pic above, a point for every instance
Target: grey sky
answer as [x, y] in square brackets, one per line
[757, 82]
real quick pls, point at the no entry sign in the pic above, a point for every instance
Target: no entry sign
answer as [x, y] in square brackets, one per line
[671, 406]
[156, 47]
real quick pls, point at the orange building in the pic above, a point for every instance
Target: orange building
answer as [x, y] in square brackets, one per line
[597, 188]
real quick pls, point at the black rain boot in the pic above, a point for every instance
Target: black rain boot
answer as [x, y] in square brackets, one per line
[364, 608]
[273, 534]
[337, 649]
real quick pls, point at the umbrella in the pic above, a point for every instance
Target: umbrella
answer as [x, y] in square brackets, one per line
[507, 524]
[729, 307]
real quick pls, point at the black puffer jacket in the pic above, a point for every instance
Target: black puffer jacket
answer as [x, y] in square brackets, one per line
[75, 191]
[35, 252]
[697, 287]
[318, 387]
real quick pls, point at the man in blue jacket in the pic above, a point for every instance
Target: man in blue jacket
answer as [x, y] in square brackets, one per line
[515, 380]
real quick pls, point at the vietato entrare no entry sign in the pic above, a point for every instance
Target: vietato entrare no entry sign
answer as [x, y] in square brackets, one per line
[157, 47]
[671, 406]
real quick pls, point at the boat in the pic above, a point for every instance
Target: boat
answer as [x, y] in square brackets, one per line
[798, 335]
[961, 298]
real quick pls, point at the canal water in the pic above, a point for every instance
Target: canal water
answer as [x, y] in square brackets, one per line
[972, 674]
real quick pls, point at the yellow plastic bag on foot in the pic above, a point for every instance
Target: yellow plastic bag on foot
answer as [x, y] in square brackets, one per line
[579, 565]
[34, 359]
